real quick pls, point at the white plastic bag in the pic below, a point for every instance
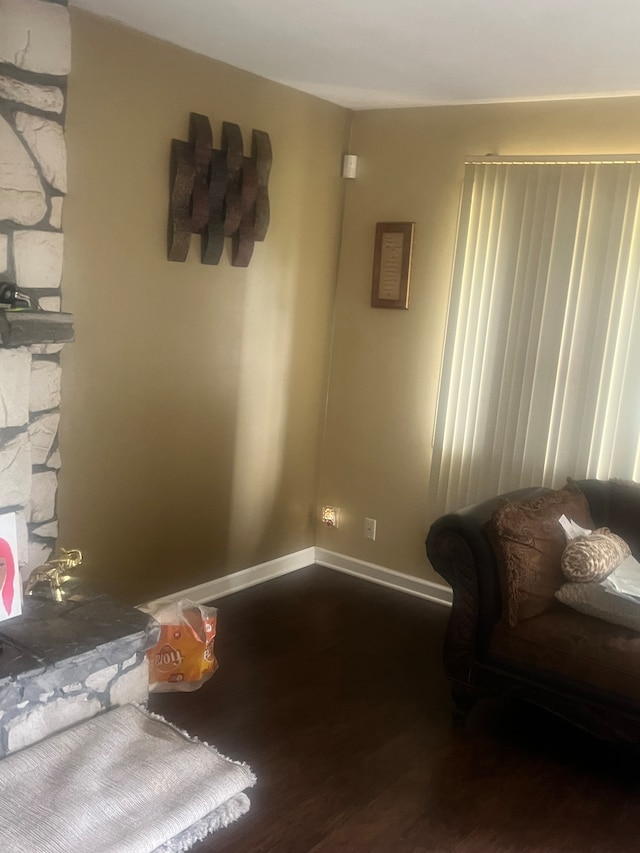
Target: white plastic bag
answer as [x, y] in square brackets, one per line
[183, 658]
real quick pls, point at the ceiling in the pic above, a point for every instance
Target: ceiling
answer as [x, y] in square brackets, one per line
[389, 53]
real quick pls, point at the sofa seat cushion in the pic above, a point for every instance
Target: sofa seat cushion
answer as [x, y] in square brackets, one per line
[577, 650]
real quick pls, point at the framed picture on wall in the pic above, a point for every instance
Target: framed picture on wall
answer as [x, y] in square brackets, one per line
[392, 264]
[10, 582]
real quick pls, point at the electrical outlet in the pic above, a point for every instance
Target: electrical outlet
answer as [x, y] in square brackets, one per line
[370, 528]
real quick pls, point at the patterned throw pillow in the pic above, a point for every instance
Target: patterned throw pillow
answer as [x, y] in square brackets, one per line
[593, 557]
[529, 542]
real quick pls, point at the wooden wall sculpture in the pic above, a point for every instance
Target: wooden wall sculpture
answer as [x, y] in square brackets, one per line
[218, 193]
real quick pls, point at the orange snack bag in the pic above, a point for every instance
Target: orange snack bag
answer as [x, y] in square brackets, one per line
[183, 658]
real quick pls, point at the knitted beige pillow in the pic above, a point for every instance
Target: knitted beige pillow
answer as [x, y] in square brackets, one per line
[593, 557]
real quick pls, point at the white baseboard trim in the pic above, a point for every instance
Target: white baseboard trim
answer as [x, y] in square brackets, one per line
[439, 593]
[236, 581]
[228, 584]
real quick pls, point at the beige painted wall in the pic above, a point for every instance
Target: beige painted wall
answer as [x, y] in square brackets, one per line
[193, 398]
[385, 364]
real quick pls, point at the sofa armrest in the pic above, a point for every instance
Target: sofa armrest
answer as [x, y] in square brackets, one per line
[459, 549]
[451, 556]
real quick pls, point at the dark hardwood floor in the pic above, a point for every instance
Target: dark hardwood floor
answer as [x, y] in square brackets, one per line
[332, 690]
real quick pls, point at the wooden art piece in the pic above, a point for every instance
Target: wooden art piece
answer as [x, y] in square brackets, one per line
[261, 153]
[244, 236]
[232, 148]
[201, 141]
[213, 235]
[218, 193]
[182, 175]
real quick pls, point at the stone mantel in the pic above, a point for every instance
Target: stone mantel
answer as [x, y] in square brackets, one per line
[25, 328]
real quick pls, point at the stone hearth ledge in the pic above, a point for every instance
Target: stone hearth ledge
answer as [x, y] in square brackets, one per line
[62, 662]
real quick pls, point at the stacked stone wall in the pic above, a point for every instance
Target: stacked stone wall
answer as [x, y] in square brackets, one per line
[35, 58]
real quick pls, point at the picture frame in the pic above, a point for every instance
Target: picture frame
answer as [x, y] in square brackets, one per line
[10, 579]
[393, 251]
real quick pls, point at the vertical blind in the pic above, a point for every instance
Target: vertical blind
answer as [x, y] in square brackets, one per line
[541, 368]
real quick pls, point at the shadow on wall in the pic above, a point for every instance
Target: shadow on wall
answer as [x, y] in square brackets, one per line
[263, 388]
[282, 368]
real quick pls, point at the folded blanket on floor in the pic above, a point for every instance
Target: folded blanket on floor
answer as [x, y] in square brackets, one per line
[123, 782]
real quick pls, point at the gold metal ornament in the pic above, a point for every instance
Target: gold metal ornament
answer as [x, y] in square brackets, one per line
[49, 580]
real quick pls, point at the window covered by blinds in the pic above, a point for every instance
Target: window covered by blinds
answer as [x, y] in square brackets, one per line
[541, 369]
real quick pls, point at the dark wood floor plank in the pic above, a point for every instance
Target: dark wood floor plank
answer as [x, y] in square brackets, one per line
[332, 689]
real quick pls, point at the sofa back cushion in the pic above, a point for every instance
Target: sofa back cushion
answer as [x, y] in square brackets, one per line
[528, 542]
[624, 513]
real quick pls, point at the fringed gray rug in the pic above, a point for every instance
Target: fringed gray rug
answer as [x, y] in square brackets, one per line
[123, 782]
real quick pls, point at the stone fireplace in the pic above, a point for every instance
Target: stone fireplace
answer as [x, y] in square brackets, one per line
[61, 661]
[35, 58]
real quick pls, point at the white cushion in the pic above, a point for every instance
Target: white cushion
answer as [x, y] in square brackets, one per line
[593, 599]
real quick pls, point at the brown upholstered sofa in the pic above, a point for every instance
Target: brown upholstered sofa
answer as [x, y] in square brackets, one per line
[579, 667]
